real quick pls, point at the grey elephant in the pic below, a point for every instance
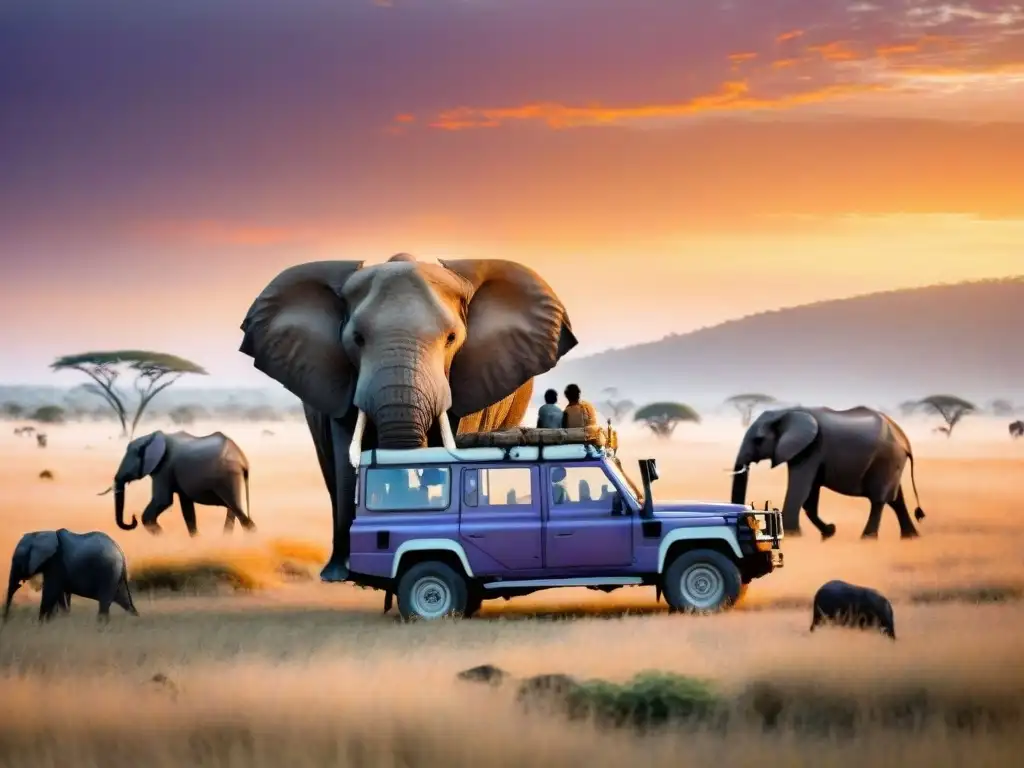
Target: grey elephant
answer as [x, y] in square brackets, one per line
[206, 469]
[403, 354]
[853, 452]
[89, 565]
[1016, 429]
[853, 606]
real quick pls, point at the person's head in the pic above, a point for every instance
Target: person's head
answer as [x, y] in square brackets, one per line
[572, 393]
[551, 397]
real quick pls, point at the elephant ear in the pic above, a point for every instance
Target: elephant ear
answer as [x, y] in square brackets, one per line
[293, 334]
[516, 328]
[44, 546]
[798, 431]
[153, 452]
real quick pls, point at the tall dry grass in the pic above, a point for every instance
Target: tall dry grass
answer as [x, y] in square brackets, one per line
[300, 673]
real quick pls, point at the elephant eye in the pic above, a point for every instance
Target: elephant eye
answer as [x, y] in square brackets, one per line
[357, 339]
[451, 339]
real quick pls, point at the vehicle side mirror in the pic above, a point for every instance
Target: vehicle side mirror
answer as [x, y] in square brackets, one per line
[617, 505]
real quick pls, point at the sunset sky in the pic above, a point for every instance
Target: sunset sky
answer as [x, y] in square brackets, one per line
[665, 164]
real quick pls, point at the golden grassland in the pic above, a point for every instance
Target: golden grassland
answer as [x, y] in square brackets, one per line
[294, 672]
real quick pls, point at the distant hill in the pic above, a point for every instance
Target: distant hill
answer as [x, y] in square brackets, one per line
[878, 349]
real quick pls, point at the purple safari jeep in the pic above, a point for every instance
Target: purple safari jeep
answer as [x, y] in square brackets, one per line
[445, 530]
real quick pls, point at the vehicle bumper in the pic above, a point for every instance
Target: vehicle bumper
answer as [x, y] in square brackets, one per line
[776, 558]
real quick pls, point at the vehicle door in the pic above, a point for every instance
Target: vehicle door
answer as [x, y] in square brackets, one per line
[582, 529]
[500, 525]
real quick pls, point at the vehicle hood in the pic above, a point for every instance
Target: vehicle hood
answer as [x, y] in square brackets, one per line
[691, 508]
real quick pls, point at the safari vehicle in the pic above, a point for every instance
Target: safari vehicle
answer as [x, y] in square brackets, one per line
[510, 513]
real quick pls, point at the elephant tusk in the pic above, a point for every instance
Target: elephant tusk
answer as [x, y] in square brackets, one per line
[104, 493]
[355, 449]
[447, 438]
[737, 471]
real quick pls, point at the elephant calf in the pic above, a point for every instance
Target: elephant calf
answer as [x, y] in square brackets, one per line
[853, 606]
[89, 565]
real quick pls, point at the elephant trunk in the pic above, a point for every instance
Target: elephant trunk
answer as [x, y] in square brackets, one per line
[12, 586]
[119, 508]
[739, 482]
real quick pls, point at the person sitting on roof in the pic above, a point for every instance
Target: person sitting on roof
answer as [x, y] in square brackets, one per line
[578, 413]
[550, 415]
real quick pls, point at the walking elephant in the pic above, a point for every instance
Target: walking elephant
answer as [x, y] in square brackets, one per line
[205, 469]
[854, 452]
[400, 354]
[89, 565]
[1016, 429]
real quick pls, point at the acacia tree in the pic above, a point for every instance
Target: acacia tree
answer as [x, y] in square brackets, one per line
[1001, 407]
[950, 407]
[663, 418]
[12, 410]
[155, 372]
[614, 406]
[746, 403]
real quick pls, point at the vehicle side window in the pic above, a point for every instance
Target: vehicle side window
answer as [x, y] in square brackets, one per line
[397, 489]
[498, 487]
[581, 485]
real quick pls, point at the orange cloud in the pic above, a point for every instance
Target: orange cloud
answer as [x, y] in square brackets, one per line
[837, 50]
[791, 35]
[918, 46]
[405, 118]
[733, 96]
[785, 63]
[736, 58]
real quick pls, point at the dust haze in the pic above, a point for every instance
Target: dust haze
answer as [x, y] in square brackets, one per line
[292, 671]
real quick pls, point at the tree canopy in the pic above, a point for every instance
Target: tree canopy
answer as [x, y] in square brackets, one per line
[49, 414]
[1001, 407]
[747, 402]
[155, 371]
[662, 418]
[950, 407]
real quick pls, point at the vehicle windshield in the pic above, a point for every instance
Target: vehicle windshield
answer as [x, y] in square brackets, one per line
[616, 467]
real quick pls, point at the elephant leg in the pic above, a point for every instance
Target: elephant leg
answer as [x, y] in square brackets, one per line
[827, 530]
[907, 528]
[53, 594]
[874, 520]
[188, 512]
[801, 480]
[230, 498]
[162, 499]
[229, 522]
[332, 448]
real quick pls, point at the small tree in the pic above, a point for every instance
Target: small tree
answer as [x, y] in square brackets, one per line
[12, 410]
[746, 403]
[1001, 407]
[151, 369]
[662, 418]
[950, 407]
[49, 414]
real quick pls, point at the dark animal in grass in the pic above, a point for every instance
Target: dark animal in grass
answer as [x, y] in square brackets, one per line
[1016, 429]
[485, 673]
[851, 605]
[89, 565]
[46, 475]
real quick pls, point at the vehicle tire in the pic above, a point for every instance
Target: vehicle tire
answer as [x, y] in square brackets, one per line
[431, 590]
[702, 581]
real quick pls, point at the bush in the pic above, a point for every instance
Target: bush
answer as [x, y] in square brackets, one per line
[197, 578]
[49, 414]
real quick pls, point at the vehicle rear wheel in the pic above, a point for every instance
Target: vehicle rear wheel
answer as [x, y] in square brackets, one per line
[702, 581]
[431, 590]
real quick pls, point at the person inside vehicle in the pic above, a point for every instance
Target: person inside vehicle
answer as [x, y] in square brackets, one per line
[559, 493]
[550, 415]
[578, 413]
[432, 477]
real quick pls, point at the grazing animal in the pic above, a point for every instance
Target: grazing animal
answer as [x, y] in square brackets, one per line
[855, 452]
[89, 565]
[853, 606]
[46, 475]
[41, 440]
[1016, 429]
[207, 469]
[401, 355]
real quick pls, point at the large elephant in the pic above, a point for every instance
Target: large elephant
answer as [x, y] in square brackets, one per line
[854, 452]
[205, 469]
[396, 355]
[89, 565]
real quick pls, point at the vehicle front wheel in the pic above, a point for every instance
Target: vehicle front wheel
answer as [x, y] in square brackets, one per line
[431, 590]
[702, 581]
[473, 604]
